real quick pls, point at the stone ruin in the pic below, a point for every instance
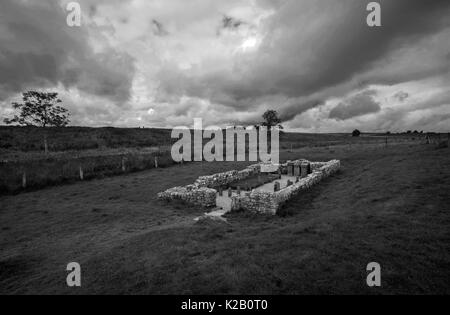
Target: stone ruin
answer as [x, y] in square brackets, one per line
[292, 178]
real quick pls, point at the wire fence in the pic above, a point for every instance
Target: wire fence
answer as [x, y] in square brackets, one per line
[16, 176]
[19, 175]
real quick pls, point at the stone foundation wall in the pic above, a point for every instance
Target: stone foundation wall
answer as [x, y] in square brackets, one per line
[316, 165]
[203, 194]
[223, 179]
[256, 202]
[194, 195]
[326, 170]
[269, 203]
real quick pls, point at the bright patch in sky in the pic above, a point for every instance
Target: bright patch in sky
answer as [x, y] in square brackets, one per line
[249, 43]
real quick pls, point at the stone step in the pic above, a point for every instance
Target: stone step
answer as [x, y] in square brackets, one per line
[217, 213]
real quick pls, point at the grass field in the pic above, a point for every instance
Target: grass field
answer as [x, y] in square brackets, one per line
[31, 139]
[388, 205]
[100, 152]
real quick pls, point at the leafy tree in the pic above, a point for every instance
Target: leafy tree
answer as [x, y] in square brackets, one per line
[271, 119]
[356, 133]
[39, 109]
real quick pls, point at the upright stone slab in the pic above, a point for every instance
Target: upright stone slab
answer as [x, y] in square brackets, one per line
[290, 168]
[297, 170]
[276, 186]
[305, 169]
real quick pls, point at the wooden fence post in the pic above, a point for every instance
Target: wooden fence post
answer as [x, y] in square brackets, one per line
[45, 144]
[24, 180]
[81, 173]
[124, 168]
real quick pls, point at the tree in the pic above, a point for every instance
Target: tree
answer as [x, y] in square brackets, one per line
[39, 109]
[356, 133]
[271, 119]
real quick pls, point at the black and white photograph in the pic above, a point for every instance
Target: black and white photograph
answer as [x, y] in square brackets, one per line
[223, 154]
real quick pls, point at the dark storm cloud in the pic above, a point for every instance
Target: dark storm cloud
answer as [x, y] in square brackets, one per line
[291, 111]
[39, 50]
[311, 46]
[231, 23]
[359, 105]
[342, 45]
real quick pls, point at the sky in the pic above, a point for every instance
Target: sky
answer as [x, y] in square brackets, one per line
[162, 63]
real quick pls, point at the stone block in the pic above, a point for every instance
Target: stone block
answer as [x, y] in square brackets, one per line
[297, 170]
[290, 169]
[305, 169]
[276, 186]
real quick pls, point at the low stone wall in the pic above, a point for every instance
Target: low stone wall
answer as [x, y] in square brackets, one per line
[256, 201]
[223, 179]
[270, 203]
[203, 194]
[194, 195]
[305, 183]
[316, 165]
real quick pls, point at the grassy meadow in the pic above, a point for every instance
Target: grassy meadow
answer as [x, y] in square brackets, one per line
[76, 153]
[387, 204]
